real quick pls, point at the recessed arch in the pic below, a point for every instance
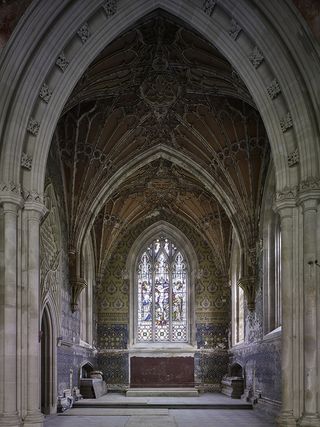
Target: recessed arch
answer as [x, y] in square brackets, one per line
[160, 151]
[49, 336]
[25, 74]
[177, 236]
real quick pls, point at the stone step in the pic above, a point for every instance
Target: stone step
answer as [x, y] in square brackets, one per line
[162, 392]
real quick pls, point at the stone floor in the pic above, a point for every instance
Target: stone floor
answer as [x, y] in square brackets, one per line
[113, 416]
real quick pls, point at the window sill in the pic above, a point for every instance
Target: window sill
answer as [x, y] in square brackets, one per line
[276, 333]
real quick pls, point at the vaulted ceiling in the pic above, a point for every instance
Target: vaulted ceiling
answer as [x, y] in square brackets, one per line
[162, 88]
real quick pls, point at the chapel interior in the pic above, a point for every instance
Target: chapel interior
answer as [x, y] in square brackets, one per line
[159, 203]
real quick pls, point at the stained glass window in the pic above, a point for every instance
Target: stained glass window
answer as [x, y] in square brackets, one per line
[162, 293]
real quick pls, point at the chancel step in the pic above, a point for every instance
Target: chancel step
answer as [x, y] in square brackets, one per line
[162, 392]
[200, 401]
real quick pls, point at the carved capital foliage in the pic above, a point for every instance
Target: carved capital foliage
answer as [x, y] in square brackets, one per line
[309, 190]
[77, 285]
[11, 192]
[248, 284]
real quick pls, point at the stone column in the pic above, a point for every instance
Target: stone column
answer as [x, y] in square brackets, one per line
[32, 216]
[286, 208]
[8, 313]
[310, 416]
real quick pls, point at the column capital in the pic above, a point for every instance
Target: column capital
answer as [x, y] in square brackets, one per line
[309, 193]
[285, 201]
[11, 193]
[36, 209]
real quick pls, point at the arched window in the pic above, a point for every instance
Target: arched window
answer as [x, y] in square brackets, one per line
[237, 295]
[271, 234]
[162, 293]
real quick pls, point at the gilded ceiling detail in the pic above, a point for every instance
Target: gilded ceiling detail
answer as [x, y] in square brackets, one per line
[162, 85]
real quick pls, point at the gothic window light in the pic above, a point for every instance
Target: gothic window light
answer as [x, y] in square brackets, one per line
[162, 284]
[237, 295]
[271, 233]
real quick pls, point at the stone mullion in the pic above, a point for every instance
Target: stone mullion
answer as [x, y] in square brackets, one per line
[9, 326]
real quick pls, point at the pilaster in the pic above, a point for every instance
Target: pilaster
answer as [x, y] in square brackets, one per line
[286, 205]
[33, 214]
[11, 203]
[309, 198]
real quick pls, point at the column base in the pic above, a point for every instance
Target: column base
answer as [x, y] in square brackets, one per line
[309, 421]
[34, 419]
[10, 420]
[286, 420]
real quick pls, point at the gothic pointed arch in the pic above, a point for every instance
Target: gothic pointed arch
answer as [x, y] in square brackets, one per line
[161, 229]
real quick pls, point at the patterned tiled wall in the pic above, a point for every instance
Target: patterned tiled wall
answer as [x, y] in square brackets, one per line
[70, 355]
[212, 311]
[259, 357]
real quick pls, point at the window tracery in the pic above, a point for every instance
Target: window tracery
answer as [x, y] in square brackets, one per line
[162, 300]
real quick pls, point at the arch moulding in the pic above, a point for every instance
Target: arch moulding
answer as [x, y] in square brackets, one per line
[182, 242]
[38, 78]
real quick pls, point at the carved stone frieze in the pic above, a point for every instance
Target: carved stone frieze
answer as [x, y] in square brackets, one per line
[287, 193]
[62, 62]
[309, 184]
[45, 93]
[235, 29]
[84, 32]
[286, 122]
[11, 191]
[33, 126]
[26, 161]
[209, 6]
[256, 57]
[293, 158]
[32, 196]
[110, 7]
[274, 89]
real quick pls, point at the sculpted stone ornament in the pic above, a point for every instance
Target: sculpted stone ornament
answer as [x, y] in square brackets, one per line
[310, 184]
[26, 161]
[45, 93]
[110, 7]
[208, 6]
[293, 158]
[274, 89]
[33, 127]
[286, 123]
[248, 284]
[84, 32]
[77, 285]
[256, 57]
[160, 93]
[62, 62]
[287, 193]
[235, 29]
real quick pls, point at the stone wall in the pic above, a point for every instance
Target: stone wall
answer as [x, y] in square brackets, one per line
[260, 354]
[212, 308]
[70, 355]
